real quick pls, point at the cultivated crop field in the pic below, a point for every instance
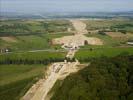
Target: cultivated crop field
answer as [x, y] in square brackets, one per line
[41, 57]
[85, 54]
[116, 24]
[15, 80]
[19, 71]
[21, 35]
[27, 27]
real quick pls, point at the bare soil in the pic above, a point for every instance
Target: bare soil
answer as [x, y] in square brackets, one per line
[9, 39]
[60, 70]
[40, 90]
[79, 26]
[77, 39]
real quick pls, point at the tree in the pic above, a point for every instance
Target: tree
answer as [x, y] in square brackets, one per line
[85, 42]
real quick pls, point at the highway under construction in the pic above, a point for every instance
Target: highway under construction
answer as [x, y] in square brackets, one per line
[59, 70]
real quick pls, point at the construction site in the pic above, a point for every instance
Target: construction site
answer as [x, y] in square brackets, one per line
[58, 71]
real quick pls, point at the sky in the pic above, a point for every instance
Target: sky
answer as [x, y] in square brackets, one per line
[37, 6]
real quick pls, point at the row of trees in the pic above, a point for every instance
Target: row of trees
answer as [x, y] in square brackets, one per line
[32, 58]
[30, 61]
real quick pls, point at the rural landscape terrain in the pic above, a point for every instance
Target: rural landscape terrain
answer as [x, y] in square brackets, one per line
[66, 59]
[66, 49]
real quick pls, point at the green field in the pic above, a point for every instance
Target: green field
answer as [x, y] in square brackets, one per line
[83, 54]
[41, 57]
[32, 42]
[109, 41]
[32, 34]
[18, 71]
[35, 34]
[110, 24]
[15, 80]
[27, 27]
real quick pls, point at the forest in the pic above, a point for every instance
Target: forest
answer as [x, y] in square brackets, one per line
[104, 79]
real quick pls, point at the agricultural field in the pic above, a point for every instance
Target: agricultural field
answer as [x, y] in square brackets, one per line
[23, 35]
[113, 25]
[96, 52]
[15, 80]
[114, 42]
[40, 57]
[32, 42]
[113, 32]
[43, 39]
[30, 45]
[19, 71]
[109, 41]
[29, 27]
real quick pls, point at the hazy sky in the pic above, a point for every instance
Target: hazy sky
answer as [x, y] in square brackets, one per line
[65, 5]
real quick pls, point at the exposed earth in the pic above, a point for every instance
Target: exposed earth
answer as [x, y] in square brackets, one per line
[60, 70]
[79, 38]
[79, 26]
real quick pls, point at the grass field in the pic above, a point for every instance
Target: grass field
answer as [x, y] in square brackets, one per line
[18, 71]
[41, 57]
[32, 42]
[99, 52]
[32, 34]
[111, 24]
[15, 80]
[21, 27]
